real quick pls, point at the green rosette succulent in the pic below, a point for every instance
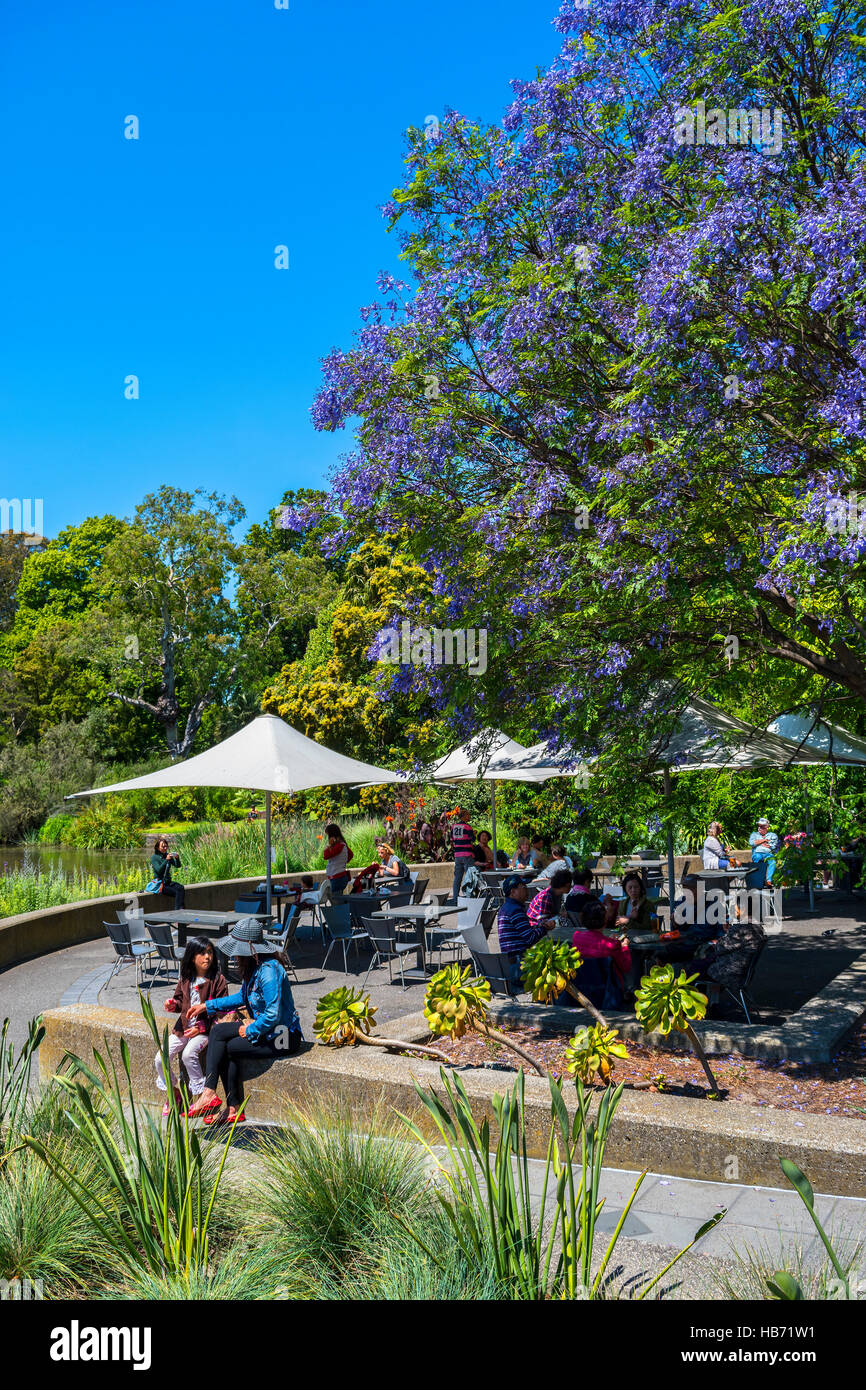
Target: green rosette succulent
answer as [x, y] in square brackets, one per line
[454, 1002]
[342, 1015]
[665, 1002]
[547, 967]
[591, 1053]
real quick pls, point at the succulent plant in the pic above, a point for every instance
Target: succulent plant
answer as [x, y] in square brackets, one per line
[342, 1014]
[345, 1016]
[666, 1003]
[591, 1052]
[454, 1002]
[547, 968]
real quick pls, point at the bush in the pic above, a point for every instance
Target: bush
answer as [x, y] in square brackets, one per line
[56, 830]
[107, 823]
[328, 1195]
[26, 891]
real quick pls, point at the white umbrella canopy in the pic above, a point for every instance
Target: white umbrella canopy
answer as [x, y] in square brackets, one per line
[479, 758]
[488, 757]
[267, 756]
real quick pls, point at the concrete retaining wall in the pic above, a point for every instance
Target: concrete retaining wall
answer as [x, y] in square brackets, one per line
[36, 933]
[664, 1134]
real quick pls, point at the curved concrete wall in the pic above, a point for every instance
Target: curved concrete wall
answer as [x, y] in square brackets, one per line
[36, 933]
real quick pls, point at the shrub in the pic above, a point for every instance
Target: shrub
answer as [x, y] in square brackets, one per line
[328, 1195]
[56, 830]
[26, 891]
[107, 823]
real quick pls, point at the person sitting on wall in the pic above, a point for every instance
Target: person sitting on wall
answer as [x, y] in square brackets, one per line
[199, 979]
[273, 1030]
[161, 862]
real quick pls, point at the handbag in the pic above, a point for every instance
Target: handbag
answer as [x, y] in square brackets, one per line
[155, 886]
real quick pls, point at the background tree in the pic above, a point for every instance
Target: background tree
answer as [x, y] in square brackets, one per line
[333, 694]
[284, 583]
[168, 638]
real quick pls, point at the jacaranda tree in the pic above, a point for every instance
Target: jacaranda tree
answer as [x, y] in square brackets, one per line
[618, 406]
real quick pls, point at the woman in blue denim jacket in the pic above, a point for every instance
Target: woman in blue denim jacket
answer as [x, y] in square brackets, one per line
[274, 1029]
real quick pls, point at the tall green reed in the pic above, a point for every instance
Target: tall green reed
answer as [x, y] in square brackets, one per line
[151, 1208]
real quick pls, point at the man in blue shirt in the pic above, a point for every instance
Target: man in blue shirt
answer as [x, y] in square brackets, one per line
[516, 932]
[764, 843]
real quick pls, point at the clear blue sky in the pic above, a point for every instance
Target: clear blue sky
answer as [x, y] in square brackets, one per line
[155, 257]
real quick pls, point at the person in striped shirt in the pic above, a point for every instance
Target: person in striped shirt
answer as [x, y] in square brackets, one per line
[546, 905]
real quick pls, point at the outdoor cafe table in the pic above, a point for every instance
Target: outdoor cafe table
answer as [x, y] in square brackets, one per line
[205, 923]
[421, 915]
[721, 878]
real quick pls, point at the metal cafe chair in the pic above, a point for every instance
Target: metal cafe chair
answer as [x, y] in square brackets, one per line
[383, 935]
[124, 950]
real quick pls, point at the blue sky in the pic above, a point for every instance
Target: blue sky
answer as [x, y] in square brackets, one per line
[155, 257]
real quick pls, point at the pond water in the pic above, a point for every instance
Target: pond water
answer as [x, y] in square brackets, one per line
[68, 861]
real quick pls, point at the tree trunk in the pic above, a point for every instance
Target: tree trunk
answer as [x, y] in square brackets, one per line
[702, 1057]
[584, 1002]
[483, 1027]
[406, 1047]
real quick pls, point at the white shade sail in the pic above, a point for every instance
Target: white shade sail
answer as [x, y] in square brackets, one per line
[267, 756]
[706, 738]
[832, 743]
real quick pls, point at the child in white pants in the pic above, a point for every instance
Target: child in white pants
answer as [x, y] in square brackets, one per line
[190, 1050]
[200, 979]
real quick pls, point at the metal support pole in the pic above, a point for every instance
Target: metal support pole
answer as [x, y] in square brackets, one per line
[493, 819]
[671, 868]
[268, 850]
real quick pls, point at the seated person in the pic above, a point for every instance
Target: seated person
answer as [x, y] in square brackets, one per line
[560, 860]
[636, 912]
[590, 940]
[522, 857]
[303, 894]
[714, 853]
[502, 860]
[764, 844]
[547, 905]
[537, 856]
[516, 932]
[484, 843]
[391, 866]
[581, 894]
[726, 959]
